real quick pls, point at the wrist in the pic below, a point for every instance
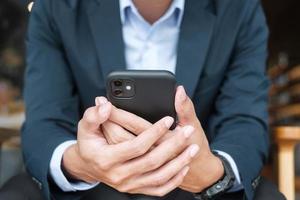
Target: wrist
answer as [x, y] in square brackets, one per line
[210, 170]
[217, 169]
[73, 166]
[222, 185]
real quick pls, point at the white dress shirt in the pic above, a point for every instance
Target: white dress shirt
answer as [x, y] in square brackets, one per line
[147, 47]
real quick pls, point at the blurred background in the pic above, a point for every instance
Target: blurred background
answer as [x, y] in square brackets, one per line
[283, 18]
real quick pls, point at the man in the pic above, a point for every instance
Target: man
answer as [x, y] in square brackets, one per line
[77, 145]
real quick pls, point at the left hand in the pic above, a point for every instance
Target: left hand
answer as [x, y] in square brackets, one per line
[205, 169]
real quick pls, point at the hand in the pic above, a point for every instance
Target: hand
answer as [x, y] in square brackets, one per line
[133, 166]
[122, 126]
[205, 169]
[115, 134]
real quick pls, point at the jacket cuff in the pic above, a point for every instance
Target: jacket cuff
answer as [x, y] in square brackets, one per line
[237, 185]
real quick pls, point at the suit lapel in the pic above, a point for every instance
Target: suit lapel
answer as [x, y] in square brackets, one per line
[106, 27]
[196, 31]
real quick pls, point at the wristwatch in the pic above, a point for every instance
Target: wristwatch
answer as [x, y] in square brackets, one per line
[222, 185]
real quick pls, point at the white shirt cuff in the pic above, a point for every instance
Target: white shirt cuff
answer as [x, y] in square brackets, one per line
[237, 186]
[58, 175]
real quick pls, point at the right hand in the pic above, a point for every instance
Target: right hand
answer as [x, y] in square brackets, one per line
[133, 166]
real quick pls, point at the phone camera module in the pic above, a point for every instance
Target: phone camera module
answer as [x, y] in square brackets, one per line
[122, 88]
[118, 83]
[128, 87]
[118, 92]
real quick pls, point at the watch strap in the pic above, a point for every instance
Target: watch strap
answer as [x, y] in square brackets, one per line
[221, 186]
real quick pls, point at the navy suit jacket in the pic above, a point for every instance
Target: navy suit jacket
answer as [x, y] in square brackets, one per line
[73, 44]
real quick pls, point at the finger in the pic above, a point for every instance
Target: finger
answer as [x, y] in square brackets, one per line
[184, 107]
[129, 121]
[115, 134]
[95, 116]
[141, 144]
[160, 154]
[168, 135]
[163, 189]
[163, 174]
[100, 101]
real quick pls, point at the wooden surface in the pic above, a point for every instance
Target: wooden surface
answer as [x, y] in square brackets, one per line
[288, 78]
[297, 181]
[286, 112]
[294, 90]
[287, 138]
[276, 71]
[286, 170]
[6, 134]
[11, 121]
[294, 73]
[287, 133]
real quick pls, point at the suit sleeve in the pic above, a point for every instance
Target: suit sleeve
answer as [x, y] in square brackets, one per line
[240, 122]
[52, 105]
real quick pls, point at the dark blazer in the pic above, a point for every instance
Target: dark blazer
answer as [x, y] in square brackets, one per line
[73, 44]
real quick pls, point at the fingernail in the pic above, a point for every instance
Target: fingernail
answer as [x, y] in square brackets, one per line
[188, 131]
[100, 101]
[169, 121]
[182, 94]
[194, 150]
[104, 109]
[185, 171]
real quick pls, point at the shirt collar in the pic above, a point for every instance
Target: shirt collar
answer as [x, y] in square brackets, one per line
[176, 4]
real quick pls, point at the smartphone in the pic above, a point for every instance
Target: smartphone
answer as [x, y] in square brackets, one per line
[149, 94]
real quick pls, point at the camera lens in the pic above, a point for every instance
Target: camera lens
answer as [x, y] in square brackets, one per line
[117, 92]
[118, 83]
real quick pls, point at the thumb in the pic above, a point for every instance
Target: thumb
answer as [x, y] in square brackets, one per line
[95, 116]
[100, 101]
[184, 107]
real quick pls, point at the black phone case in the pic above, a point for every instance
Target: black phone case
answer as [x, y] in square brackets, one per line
[154, 93]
